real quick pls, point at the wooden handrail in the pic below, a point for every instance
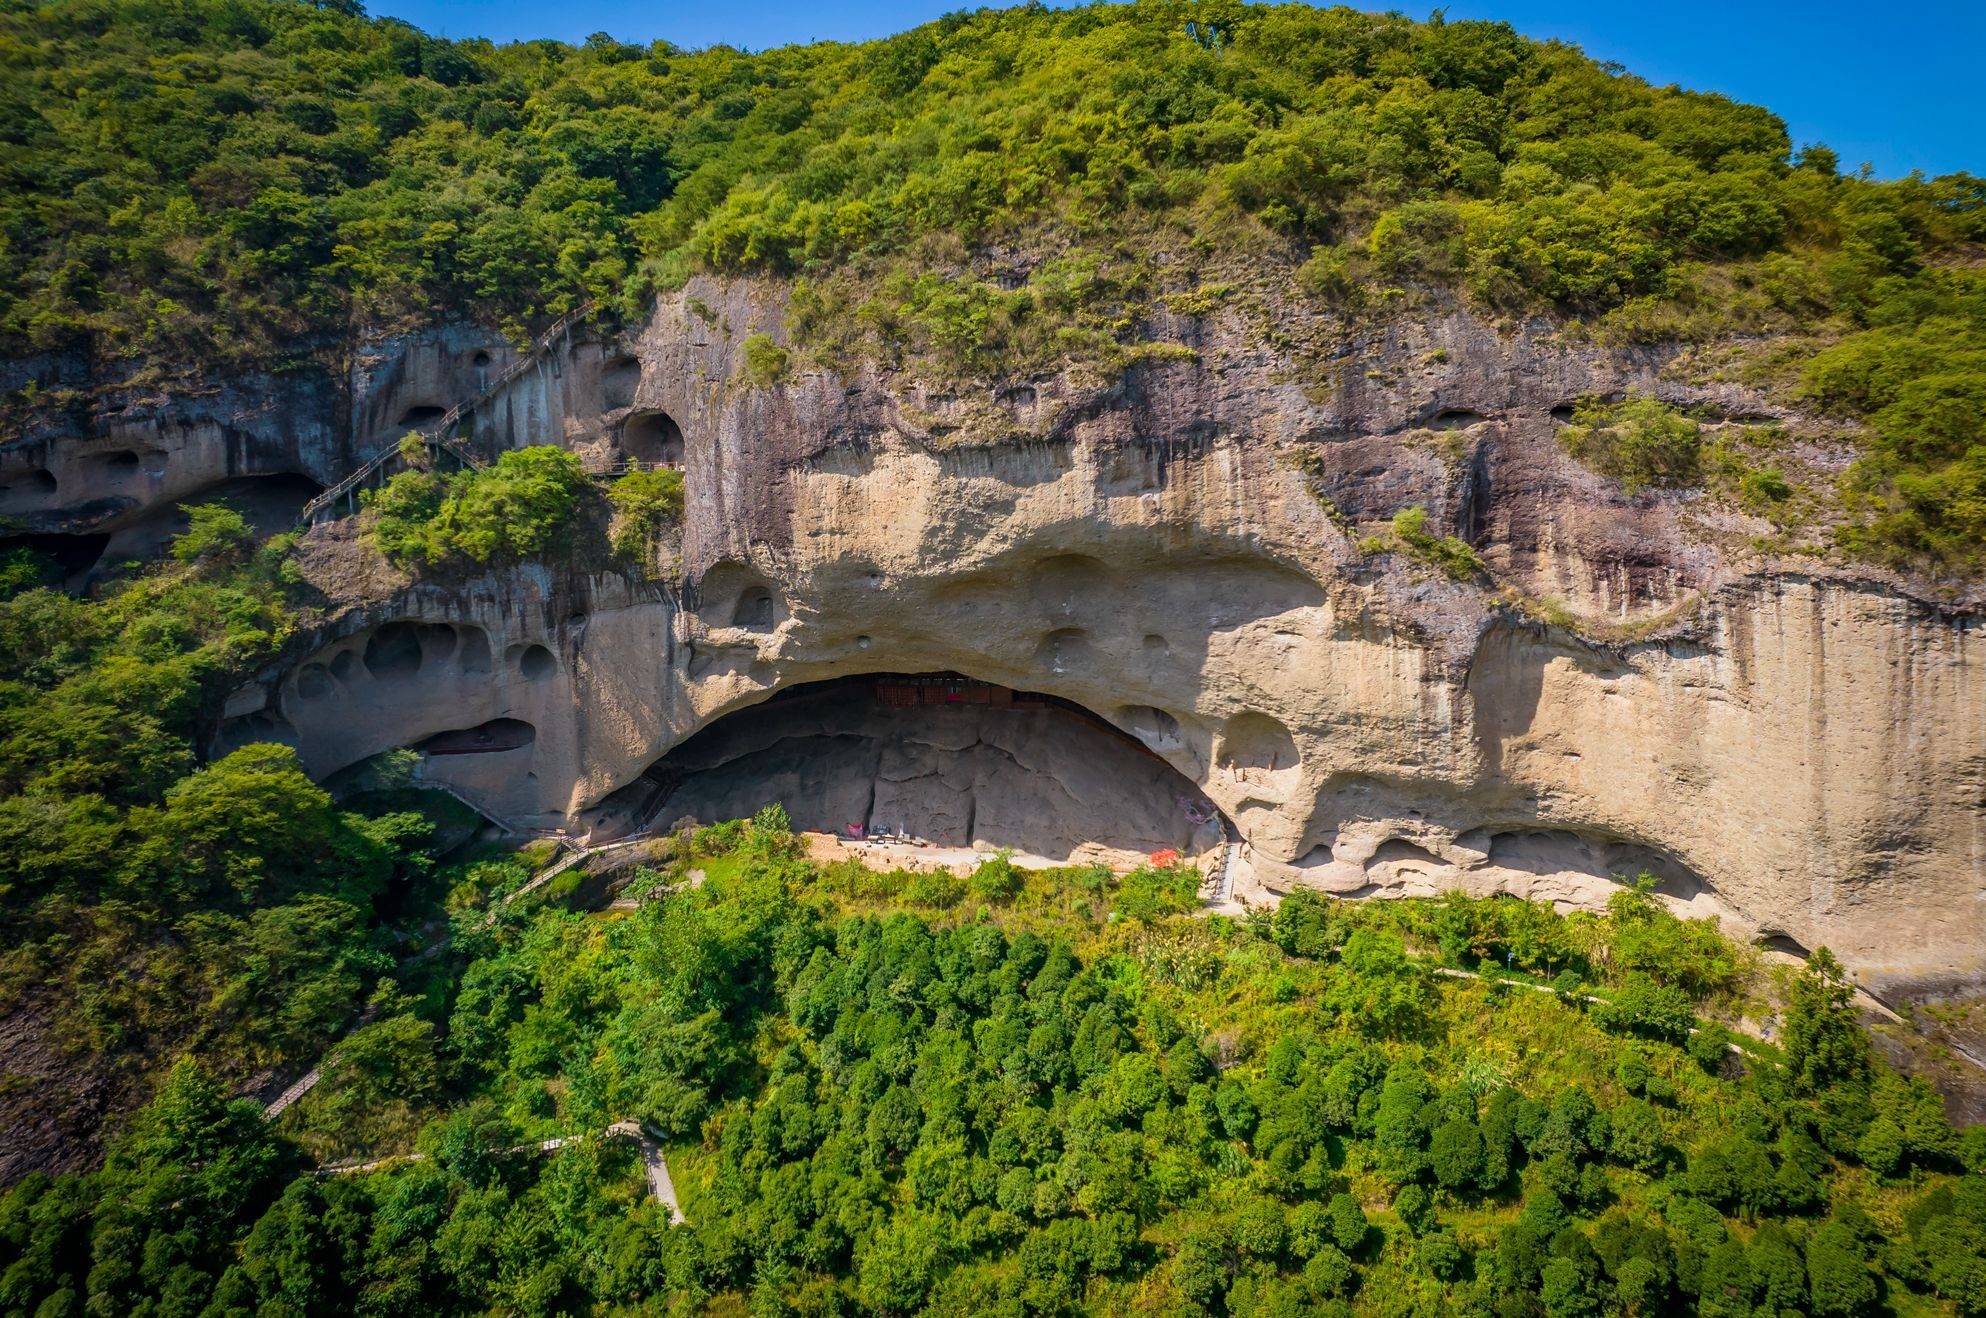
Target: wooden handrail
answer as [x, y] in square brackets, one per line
[438, 434]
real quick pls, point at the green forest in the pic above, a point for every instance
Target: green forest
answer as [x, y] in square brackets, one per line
[1000, 192]
[1041, 1093]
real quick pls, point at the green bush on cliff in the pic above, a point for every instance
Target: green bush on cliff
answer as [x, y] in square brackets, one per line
[765, 361]
[1452, 556]
[1641, 442]
[519, 506]
[646, 503]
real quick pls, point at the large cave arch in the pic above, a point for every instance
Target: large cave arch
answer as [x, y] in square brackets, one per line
[945, 758]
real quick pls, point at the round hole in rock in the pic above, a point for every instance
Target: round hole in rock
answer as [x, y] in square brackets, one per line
[1156, 644]
[480, 360]
[940, 756]
[123, 462]
[342, 665]
[653, 437]
[314, 682]
[1257, 749]
[393, 651]
[1455, 418]
[35, 484]
[1063, 649]
[1784, 944]
[536, 663]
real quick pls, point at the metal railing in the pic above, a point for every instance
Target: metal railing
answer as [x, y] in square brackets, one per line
[438, 436]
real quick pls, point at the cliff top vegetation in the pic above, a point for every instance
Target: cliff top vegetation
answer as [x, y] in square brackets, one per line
[998, 192]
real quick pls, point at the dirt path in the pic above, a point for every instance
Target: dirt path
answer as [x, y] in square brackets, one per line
[655, 1167]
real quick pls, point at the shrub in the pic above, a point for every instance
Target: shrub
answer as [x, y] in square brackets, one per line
[1452, 556]
[520, 506]
[214, 533]
[1641, 442]
[996, 880]
[645, 504]
[1151, 893]
[1641, 1006]
[1415, 1207]
[765, 361]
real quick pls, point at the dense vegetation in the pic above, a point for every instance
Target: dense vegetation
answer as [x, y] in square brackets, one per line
[521, 506]
[1047, 1094]
[149, 904]
[999, 191]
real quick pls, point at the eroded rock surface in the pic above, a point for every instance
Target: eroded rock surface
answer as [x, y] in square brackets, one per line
[1797, 747]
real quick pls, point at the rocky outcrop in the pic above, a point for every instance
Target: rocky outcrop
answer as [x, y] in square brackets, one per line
[1796, 747]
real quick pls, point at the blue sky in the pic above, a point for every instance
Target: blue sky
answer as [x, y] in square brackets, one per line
[1897, 84]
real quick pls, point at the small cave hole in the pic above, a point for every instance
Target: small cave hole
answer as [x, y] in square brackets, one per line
[1563, 413]
[1063, 648]
[652, 438]
[1397, 851]
[1455, 418]
[620, 377]
[1156, 644]
[475, 652]
[394, 651]
[416, 418]
[35, 484]
[1256, 748]
[314, 682]
[753, 610]
[121, 463]
[342, 665]
[499, 734]
[480, 360]
[536, 663]
[438, 641]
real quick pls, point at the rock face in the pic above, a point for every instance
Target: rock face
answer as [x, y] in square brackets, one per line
[1799, 749]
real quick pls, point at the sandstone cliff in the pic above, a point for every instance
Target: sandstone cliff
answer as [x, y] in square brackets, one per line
[1795, 745]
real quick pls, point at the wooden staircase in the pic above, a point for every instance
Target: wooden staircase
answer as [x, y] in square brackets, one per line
[441, 438]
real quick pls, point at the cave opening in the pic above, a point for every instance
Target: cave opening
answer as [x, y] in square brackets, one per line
[65, 558]
[940, 757]
[653, 438]
[421, 417]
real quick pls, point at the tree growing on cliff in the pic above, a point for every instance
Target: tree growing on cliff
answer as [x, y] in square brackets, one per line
[520, 506]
